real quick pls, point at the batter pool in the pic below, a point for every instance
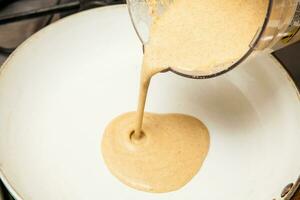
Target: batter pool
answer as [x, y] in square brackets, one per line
[169, 153]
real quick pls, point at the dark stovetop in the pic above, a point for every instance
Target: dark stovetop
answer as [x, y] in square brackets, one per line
[290, 58]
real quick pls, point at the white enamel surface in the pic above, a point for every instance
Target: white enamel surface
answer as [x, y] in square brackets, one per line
[61, 88]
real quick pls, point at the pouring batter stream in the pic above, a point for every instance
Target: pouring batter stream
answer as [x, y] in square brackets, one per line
[162, 153]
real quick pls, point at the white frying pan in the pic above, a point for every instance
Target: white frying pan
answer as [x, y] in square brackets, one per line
[59, 90]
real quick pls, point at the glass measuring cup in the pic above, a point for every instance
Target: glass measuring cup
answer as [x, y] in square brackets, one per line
[280, 28]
